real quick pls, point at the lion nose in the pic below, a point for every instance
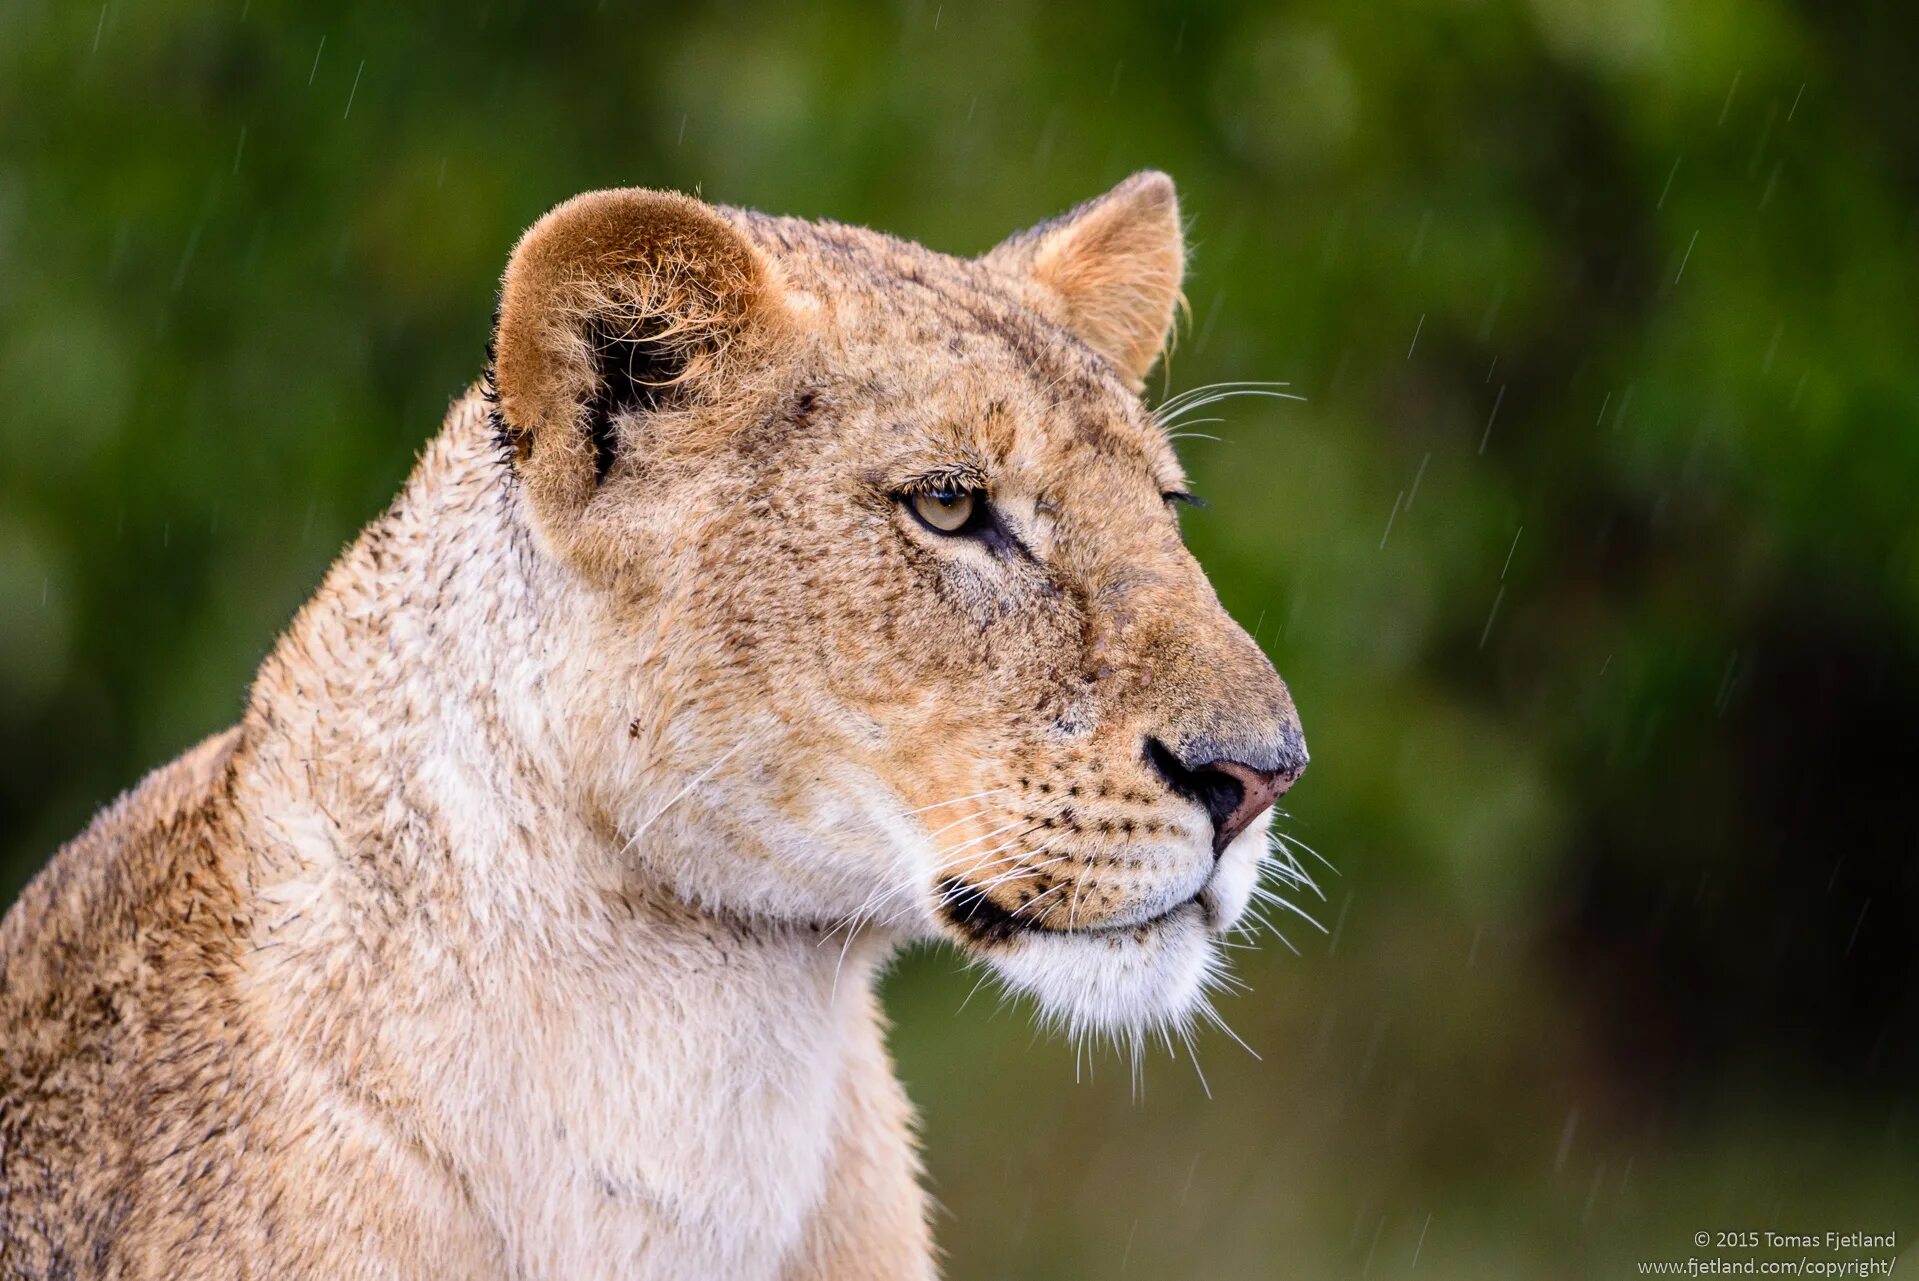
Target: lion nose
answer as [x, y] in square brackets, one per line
[1234, 787]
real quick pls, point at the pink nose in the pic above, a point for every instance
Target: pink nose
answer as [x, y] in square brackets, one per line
[1231, 791]
[1258, 789]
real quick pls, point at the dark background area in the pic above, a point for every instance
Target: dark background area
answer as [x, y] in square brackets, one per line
[1589, 553]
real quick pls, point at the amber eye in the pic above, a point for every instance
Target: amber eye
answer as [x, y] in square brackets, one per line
[946, 511]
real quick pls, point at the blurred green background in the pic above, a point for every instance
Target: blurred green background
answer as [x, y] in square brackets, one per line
[1589, 554]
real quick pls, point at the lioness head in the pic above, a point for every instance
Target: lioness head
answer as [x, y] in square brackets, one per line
[888, 621]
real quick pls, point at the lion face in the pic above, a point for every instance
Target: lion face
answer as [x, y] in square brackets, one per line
[893, 625]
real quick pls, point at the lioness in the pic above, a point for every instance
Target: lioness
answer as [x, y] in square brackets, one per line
[787, 593]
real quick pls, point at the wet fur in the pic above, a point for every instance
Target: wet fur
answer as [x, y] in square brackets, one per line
[528, 922]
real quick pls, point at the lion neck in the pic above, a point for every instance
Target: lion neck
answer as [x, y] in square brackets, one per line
[447, 930]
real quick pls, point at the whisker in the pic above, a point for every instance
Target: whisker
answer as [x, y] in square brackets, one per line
[1194, 1056]
[991, 791]
[1212, 1015]
[1280, 900]
[680, 795]
[1173, 410]
[1290, 839]
[984, 975]
[1191, 394]
[983, 836]
[1037, 897]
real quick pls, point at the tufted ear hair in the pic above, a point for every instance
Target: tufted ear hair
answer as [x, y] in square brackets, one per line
[1109, 270]
[616, 307]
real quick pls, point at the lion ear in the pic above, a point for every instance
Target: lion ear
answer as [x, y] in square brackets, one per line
[618, 306]
[1109, 270]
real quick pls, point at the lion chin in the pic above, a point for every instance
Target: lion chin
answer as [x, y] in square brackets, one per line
[1151, 978]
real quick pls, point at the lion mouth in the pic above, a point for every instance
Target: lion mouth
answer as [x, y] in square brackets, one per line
[973, 913]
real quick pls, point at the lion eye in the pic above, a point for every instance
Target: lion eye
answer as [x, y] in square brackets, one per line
[946, 511]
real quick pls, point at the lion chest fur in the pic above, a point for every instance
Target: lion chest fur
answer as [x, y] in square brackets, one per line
[433, 1013]
[633, 1087]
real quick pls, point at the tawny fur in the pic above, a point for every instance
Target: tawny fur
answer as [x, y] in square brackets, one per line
[527, 925]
